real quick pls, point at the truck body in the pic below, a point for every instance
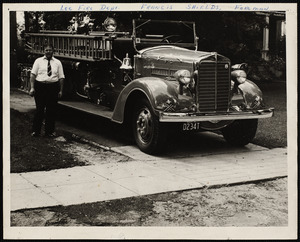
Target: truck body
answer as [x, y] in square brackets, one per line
[154, 79]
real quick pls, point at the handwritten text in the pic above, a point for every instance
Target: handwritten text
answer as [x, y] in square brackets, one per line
[203, 7]
[146, 6]
[240, 7]
[83, 7]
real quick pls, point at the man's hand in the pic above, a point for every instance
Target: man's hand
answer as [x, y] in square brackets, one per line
[60, 94]
[32, 92]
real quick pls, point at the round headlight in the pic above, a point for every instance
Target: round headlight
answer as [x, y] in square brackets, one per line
[239, 76]
[183, 76]
[110, 24]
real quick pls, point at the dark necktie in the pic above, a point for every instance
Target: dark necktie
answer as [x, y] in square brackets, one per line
[49, 69]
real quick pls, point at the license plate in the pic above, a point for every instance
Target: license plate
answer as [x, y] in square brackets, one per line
[190, 126]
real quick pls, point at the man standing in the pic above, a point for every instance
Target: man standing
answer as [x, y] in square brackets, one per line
[46, 80]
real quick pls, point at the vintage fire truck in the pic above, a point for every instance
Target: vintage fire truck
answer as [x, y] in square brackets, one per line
[154, 80]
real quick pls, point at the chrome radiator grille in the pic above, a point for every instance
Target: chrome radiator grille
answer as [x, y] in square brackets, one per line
[213, 86]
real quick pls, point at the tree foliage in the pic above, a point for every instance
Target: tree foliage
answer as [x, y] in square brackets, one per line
[237, 35]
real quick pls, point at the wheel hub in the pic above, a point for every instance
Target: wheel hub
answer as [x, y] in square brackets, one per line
[144, 124]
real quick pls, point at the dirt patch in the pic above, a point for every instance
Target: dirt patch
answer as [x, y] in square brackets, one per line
[42, 154]
[91, 155]
[260, 204]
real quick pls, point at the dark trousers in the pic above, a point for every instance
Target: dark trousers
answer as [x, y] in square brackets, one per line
[46, 97]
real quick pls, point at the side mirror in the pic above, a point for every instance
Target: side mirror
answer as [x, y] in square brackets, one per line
[242, 66]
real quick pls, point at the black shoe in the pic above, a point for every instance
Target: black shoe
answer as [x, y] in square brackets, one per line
[50, 135]
[35, 134]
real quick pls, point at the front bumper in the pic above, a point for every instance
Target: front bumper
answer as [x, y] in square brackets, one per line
[200, 117]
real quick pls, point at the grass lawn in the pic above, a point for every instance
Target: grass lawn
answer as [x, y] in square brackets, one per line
[35, 153]
[272, 132]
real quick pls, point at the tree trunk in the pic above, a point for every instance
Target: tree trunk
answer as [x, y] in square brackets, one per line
[26, 18]
[14, 82]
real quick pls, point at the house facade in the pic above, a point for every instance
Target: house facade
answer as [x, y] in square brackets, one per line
[274, 33]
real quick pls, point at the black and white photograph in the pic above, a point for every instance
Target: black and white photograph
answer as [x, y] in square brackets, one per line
[149, 120]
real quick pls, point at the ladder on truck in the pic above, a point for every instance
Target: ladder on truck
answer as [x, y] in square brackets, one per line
[73, 46]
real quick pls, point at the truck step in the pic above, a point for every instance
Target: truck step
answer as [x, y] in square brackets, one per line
[88, 107]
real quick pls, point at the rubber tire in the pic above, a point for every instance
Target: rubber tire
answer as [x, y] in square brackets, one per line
[154, 141]
[240, 132]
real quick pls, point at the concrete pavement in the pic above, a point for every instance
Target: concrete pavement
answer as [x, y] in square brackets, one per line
[144, 174]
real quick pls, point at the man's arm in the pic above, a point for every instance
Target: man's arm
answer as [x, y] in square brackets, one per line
[33, 75]
[61, 79]
[32, 81]
[61, 87]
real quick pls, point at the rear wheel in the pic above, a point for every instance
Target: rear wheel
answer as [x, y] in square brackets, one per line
[240, 132]
[148, 133]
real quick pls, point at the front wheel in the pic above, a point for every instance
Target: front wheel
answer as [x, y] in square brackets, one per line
[240, 132]
[148, 133]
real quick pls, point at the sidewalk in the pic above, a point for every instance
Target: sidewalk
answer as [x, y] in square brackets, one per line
[143, 175]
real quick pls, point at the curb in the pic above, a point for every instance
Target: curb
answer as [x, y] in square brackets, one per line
[78, 138]
[92, 143]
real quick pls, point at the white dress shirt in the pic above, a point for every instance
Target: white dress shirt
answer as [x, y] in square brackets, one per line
[40, 69]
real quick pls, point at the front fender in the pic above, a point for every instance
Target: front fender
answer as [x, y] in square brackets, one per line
[162, 95]
[252, 95]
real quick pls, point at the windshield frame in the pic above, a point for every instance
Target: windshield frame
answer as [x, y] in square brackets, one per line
[141, 43]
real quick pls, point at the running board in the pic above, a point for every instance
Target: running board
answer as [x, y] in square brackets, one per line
[88, 107]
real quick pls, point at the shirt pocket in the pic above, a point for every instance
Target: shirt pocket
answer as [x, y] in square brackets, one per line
[54, 67]
[42, 70]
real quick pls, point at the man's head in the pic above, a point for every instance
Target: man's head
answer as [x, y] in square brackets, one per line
[48, 49]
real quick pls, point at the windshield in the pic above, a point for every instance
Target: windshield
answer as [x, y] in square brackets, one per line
[153, 32]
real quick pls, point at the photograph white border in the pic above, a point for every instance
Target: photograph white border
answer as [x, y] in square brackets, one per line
[289, 232]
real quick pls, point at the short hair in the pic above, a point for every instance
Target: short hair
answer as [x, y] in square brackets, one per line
[48, 45]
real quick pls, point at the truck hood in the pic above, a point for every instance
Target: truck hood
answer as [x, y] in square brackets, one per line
[180, 54]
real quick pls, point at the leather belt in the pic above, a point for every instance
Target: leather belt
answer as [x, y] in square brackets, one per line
[47, 82]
